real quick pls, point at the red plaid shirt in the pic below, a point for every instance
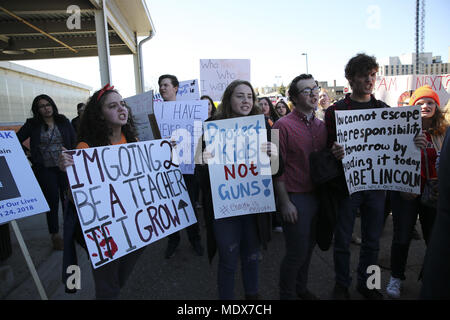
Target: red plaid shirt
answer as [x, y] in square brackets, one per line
[298, 138]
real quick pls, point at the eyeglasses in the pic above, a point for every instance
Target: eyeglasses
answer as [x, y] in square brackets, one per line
[44, 105]
[307, 91]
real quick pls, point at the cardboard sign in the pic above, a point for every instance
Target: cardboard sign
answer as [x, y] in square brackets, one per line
[141, 106]
[379, 150]
[182, 122]
[128, 196]
[20, 194]
[217, 74]
[240, 173]
[396, 90]
[187, 90]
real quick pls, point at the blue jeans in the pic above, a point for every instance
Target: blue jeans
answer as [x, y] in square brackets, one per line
[237, 237]
[404, 216]
[371, 204]
[300, 240]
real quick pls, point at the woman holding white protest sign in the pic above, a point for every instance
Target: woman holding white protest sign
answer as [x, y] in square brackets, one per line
[236, 236]
[406, 206]
[106, 120]
[49, 133]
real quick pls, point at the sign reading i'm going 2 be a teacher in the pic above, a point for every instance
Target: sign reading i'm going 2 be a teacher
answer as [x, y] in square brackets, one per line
[128, 196]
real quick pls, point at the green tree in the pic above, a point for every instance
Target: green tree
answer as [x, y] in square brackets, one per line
[282, 90]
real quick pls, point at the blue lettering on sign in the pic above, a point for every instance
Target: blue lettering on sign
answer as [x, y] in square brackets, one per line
[6, 135]
[241, 190]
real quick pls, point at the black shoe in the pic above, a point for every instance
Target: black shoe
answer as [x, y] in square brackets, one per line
[340, 292]
[252, 297]
[170, 251]
[307, 295]
[198, 248]
[369, 294]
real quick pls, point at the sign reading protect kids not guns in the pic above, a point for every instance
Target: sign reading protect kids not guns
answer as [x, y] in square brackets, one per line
[20, 194]
[240, 173]
[128, 196]
[379, 150]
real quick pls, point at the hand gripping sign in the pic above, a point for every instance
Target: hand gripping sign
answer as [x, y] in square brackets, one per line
[128, 196]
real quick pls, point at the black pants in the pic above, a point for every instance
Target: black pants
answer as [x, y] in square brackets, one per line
[53, 183]
[193, 230]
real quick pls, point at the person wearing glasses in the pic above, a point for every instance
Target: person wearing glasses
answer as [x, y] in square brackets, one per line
[49, 131]
[300, 134]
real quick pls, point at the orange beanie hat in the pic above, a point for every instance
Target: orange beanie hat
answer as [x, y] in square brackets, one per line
[424, 92]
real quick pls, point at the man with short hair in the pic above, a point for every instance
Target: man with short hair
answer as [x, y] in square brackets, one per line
[360, 72]
[168, 88]
[300, 134]
[76, 121]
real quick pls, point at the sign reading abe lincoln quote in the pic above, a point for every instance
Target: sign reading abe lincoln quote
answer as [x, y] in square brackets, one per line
[380, 153]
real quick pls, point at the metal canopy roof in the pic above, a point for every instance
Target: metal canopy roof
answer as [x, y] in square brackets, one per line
[126, 20]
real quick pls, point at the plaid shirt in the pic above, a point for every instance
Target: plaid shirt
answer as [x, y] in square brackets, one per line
[298, 138]
[347, 104]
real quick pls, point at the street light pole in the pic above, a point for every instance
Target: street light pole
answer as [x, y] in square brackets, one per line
[306, 55]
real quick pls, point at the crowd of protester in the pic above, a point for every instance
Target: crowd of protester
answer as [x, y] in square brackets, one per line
[306, 125]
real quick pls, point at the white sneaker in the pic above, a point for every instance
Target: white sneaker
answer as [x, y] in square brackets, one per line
[394, 287]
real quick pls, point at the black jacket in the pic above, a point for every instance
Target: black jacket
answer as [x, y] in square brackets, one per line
[32, 129]
[436, 269]
[263, 220]
[330, 187]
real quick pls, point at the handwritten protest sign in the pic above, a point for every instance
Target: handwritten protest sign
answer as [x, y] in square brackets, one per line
[141, 106]
[379, 150]
[187, 90]
[240, 174]
[217, 74]
[20, 194]
[182, 121]
[128, 196]
[396, 90]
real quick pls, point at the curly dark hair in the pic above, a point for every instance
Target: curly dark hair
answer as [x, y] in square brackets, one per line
[360, 64]
[224, 110]
[93, 129]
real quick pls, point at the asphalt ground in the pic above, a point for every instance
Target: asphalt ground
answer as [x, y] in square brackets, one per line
[186, 276]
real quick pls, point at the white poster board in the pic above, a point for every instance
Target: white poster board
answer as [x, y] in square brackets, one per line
[141, 106]
[240, 173]
[128, 196]
[217, 74]
[396, 90]
[187, 90]
[182, 121]
[20, 193]
[379, 150]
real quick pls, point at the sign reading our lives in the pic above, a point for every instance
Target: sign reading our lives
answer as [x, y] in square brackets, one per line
[128, 196]
[182, 122]
[380, 153]
[240, 173]
[20, 194]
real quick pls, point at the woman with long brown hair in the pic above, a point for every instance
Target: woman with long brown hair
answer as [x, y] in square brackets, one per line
[406, 206]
